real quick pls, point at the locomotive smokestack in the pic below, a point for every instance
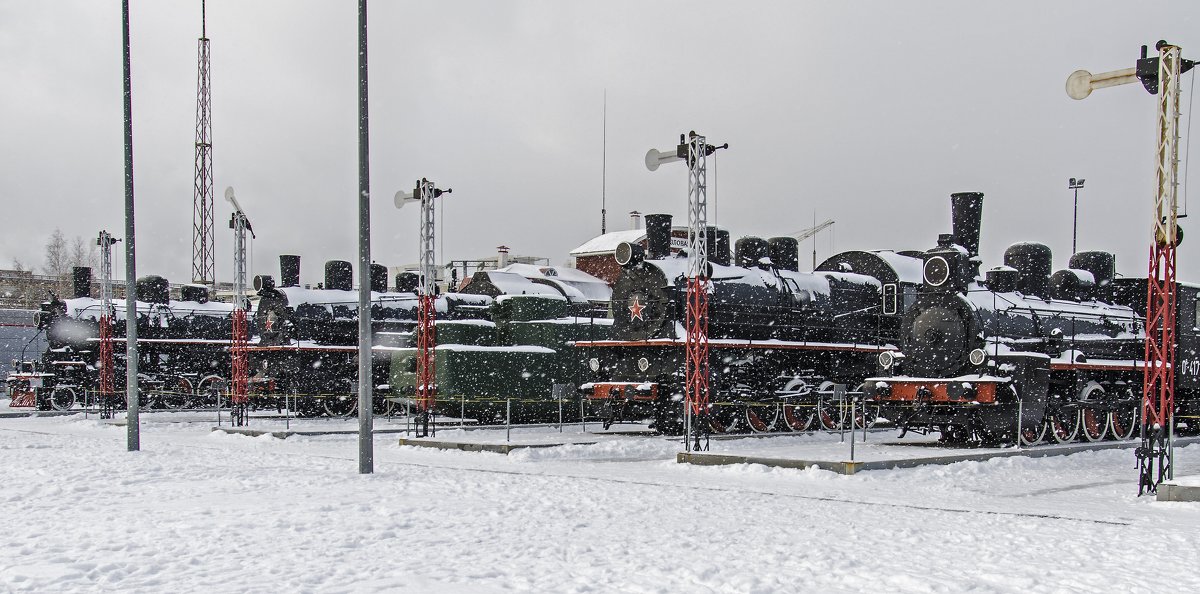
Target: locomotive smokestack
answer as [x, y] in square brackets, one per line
[785, 253]
[379, 278]
[719, 253]
[82, 281]
[289, 271]
[658, 236]
[966, 210]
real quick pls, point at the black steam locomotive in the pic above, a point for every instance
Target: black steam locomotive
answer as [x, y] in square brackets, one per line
[778, 338]
[307, 347]
[1023, 353]
[183, 344]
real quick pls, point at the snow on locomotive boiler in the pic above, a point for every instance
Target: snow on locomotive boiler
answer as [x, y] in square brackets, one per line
[777, 337]
[1062, 352]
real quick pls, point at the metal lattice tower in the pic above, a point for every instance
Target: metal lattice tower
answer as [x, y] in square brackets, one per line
[239, 365]
[427, 341]
[697, 371]
[695, 149]
[203, 259]
[1155, 459]
[424, 193]
[426, 314]
[1159, 75]
[106, 360]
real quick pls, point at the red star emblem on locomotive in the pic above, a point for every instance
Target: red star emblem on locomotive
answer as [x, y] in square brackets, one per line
[635, 310]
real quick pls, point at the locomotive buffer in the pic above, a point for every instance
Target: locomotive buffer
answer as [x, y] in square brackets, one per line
[1159, 75]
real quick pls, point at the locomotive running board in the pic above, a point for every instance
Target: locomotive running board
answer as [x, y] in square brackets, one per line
[849, 467]
[725, 343]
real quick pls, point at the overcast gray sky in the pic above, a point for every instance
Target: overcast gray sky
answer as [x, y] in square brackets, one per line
[870, 113]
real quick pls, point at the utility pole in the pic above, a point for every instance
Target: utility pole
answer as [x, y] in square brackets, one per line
[132, 425]
[366, 383]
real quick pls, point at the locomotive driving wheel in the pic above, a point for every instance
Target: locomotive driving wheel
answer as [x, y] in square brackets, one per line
[340, 405]
[797, 417]
[762, 417]
[1033, 435]
[827, 413]
[204, 391]
[63, 398]
[177, 393]
[794, 417]
[1123, 421]
[1093, 421]
[1063, 427]
[865, 414]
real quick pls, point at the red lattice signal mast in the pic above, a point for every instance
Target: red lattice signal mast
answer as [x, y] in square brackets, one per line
[425, 192]
[106, 361]
[1159, 75]
[239, 365]
[695, 149]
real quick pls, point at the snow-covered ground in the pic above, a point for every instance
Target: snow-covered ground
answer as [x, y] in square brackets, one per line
[198, 510]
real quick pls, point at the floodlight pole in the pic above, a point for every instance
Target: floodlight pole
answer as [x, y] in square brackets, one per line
[695, 149]
[132, 424]
[1159, 75]
[1075, 184]
[366, 447]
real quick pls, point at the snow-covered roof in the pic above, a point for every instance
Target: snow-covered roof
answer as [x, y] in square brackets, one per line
[512, 283]
[572, 280]
[607, 243]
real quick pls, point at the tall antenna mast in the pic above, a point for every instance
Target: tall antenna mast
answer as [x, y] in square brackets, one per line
[203, 260]
[604, 169]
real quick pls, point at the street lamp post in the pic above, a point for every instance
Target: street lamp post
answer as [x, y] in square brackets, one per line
[1075, 184]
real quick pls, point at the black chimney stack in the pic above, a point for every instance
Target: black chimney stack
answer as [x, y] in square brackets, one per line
[379, 278]
[719, 253]
[966, 210]
[82, 281]
[289, 271]
[658, 236]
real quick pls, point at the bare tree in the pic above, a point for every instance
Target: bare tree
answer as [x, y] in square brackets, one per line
[82, 253]
[57, 261]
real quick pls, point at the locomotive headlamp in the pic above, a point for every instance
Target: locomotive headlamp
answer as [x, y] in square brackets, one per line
[594, 364]
[643, 364]
[937, 271]
[886, 359]
[977, 357]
